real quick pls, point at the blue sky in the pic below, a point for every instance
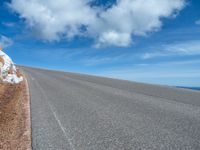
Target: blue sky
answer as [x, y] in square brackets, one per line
[160, 46]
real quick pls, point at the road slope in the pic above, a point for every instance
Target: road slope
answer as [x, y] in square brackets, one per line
[79, 112]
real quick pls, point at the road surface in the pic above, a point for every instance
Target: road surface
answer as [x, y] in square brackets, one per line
[79, 112]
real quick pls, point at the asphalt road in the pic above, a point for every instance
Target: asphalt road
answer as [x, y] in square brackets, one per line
[79, 112]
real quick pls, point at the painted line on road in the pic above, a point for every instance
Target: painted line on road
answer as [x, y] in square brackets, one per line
[54, 114]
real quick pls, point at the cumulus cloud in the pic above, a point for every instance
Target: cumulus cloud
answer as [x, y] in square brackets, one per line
[5, 41]
[136, 17]
[116, 25]
[54, 19]
[114, 38]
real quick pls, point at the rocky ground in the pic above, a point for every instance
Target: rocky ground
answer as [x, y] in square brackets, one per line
[14, 121]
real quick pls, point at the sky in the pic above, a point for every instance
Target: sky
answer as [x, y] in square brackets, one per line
[149, 41]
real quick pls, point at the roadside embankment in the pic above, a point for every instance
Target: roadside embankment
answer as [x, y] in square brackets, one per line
[15, 127]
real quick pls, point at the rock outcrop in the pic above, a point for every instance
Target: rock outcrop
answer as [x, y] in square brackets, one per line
[8, 71]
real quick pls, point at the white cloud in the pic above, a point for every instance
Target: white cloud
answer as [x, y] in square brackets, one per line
[197, 22]
[136, 17]
[8, 24]
[114, 38]
[55, 20]
[177, 49]
[5, 41]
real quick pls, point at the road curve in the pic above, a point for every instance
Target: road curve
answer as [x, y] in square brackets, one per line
[79, 112]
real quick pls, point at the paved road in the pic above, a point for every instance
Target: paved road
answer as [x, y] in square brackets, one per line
[79, 112]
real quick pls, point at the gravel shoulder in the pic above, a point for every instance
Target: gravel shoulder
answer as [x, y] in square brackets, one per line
[15, 128]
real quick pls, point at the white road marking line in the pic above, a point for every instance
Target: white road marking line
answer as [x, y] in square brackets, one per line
[54, 114]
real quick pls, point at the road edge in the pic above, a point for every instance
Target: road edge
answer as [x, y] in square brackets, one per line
[27, 107]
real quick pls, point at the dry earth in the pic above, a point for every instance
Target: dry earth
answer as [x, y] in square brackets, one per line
[14, 117]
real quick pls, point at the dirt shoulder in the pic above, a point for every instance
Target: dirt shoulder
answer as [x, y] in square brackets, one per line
[15, 128]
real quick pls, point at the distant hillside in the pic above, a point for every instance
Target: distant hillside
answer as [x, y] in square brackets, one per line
[192, 88]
